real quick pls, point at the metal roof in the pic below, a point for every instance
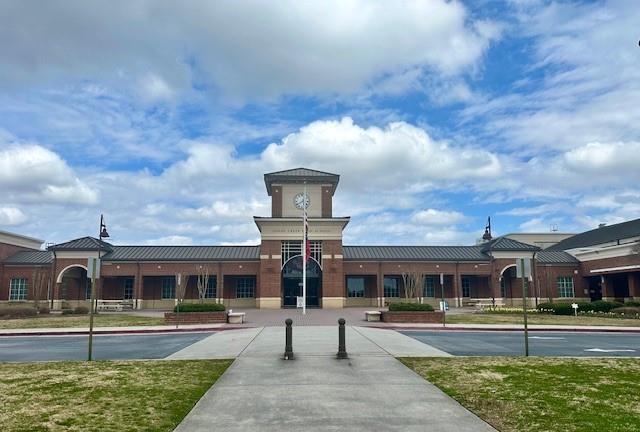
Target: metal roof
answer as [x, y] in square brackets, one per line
[31, 257]
[414, 253]
[183, 253]
[508, 244]
[83, 243]
[301, 175]
[601, 235]
[555, 257]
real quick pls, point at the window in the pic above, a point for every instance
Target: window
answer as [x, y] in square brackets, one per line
[429, 286]
[355, 287]
[391, 288]
[168, 288]
[245, 287]
[466, 287]
[503, 287]
[128, 289]
[212, 285]
[291, 248]
[18, 289]
[565, 287]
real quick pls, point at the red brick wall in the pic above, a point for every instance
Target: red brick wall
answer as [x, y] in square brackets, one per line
[270, 272]
[276, 201]
[6, 250]
[332, 269]
[10, 272]
[327, 206]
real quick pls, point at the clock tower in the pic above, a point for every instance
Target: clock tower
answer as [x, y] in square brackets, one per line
[292, 191]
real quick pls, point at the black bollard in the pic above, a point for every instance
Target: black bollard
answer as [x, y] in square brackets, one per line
[342, 345]
[288, 340]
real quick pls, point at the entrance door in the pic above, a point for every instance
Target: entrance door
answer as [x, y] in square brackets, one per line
[292, 282]
[595, 288]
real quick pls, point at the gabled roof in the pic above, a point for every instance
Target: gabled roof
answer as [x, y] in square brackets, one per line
[31, 257]
[183, 253]
[82, 244]
[301, 175]
[414, 253]
[555, 257]
[507, 244]
[601, 235]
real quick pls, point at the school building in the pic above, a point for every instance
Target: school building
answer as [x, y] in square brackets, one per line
[603, 263]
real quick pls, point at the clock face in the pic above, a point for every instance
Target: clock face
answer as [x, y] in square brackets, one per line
[301, 200]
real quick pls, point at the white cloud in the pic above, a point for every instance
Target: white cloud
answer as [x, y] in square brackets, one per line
[29, 172]
[437, 217]
[243, 49]
[172, 240]
[620, 159]
[10, 216]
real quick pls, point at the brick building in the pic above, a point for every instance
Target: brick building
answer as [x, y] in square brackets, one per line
[602, 263]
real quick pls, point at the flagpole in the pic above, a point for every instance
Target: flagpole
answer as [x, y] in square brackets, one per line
[304, 251]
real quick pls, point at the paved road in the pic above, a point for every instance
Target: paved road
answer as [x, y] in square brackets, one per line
[540, 344]
[112, 347]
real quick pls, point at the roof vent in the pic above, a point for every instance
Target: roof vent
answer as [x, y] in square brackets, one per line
[601, 225]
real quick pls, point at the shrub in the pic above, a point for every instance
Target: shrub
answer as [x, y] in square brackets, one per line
[65, 305]
[630, 311]
[632, 303]
[604, 306]
[17, 312]
[200, 307]
[81, 310]
[43, 310]
[410, 307]
[67, 311]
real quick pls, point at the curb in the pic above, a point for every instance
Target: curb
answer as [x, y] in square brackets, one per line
[508, 329]
[118, 332]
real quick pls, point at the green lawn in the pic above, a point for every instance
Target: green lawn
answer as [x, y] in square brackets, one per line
[100, 320]
[102, 396]
[489, 318]
[541, 394]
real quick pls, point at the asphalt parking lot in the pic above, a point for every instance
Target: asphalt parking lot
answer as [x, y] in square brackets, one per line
[105, 347]
[493, 343]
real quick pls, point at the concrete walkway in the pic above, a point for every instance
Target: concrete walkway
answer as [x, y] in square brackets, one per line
[316, 392]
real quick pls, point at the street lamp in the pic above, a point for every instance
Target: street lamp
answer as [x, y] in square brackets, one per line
[95, 265]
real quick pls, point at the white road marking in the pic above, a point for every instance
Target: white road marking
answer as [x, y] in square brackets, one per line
[545, 337]
[609, 350]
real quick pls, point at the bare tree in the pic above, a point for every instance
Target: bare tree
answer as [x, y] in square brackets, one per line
[413, 280]
[203, 281]
[181, 286]
[39, 281]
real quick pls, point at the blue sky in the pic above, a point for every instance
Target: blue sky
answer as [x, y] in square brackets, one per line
[164, 116]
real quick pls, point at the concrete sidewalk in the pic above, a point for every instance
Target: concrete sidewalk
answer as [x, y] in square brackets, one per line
[316, 392]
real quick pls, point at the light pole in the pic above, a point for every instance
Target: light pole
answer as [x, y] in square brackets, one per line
[95, 265]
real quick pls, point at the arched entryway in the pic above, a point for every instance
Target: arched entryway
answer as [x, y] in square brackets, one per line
[292, 282]
[73, 284]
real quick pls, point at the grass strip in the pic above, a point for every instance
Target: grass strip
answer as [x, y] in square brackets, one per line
[541, 394]
[489, 318]
[103, 395]
[67, 321]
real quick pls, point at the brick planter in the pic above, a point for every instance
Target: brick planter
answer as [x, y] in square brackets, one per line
[196, 317]
[412, 317]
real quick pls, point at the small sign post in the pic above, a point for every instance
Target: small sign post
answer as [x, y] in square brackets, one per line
[575, 308]
[523, 270]
[93, 272]
[299, 302]
[443, 305]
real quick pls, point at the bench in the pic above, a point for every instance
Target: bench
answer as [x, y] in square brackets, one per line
[372, 315]
[481, 305]
[113, 305]
[235, 317]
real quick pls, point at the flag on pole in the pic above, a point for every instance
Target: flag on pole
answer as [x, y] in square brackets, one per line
[307, 244]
